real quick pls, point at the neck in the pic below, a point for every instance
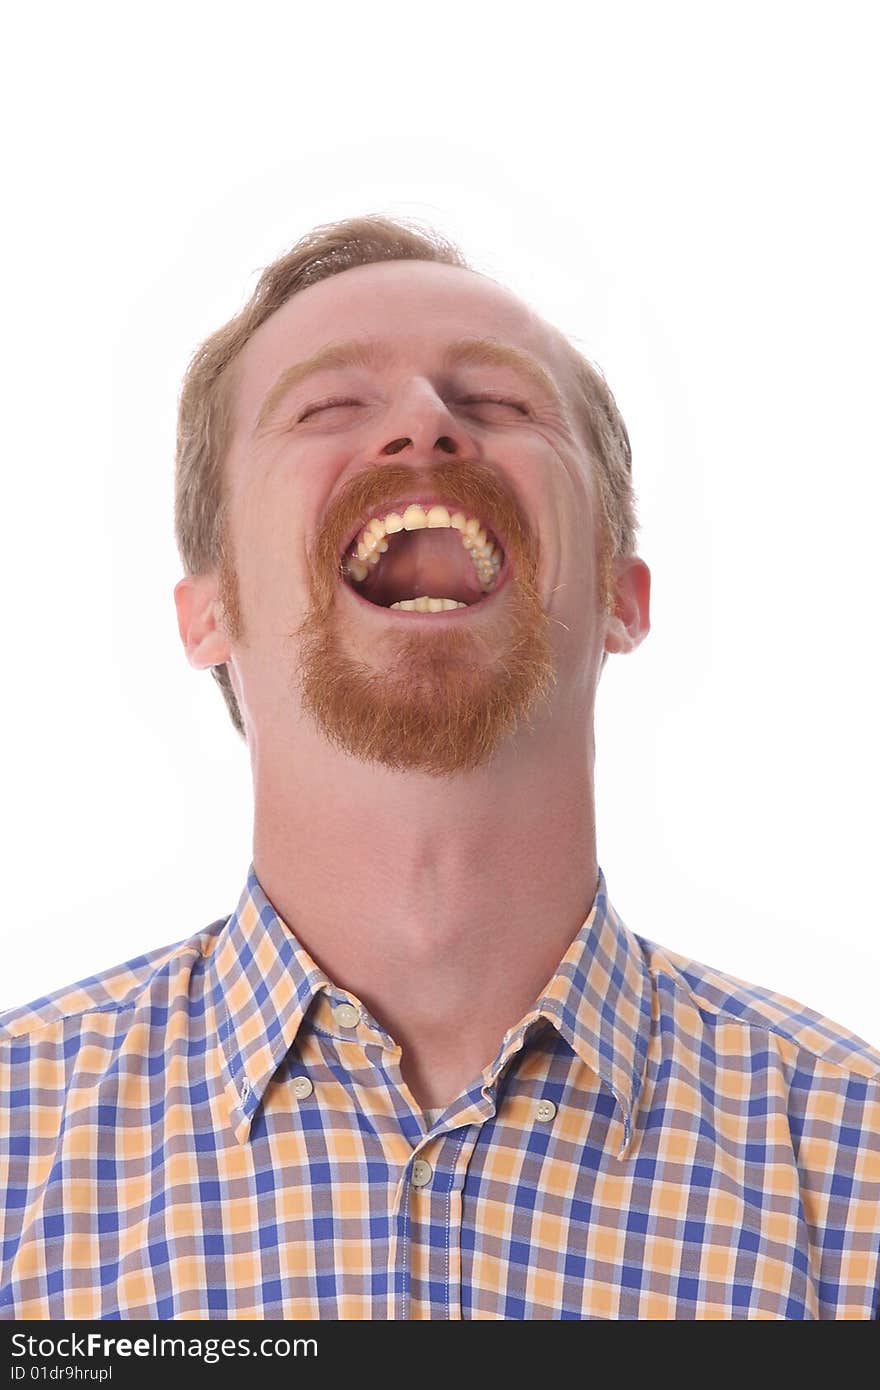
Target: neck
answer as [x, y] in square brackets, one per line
[444, 905]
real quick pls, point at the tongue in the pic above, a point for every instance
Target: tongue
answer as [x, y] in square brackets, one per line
[431, 561]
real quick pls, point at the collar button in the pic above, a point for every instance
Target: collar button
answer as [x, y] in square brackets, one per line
[346, 1015]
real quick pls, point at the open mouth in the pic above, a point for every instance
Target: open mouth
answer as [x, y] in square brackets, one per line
[425, 559]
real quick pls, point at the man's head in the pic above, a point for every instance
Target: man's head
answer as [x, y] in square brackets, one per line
[469, 399]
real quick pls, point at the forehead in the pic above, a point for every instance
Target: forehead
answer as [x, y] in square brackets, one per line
[416, 307]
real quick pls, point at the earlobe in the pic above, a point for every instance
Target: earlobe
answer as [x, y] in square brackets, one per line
[629, 621]
[198, 621]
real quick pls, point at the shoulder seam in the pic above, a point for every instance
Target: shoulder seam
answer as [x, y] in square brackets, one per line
[38, 1026]
[765, 1025]
[43, 1024]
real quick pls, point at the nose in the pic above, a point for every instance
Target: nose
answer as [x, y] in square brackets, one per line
[427, 426]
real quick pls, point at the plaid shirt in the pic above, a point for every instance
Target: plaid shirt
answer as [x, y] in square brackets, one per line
[217, 1130]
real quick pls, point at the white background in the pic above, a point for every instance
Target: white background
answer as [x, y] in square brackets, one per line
[688, 191]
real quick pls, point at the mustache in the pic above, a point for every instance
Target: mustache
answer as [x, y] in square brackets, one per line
[471, 485]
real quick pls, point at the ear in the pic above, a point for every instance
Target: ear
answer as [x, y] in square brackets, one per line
[629, 621]
[198, 621]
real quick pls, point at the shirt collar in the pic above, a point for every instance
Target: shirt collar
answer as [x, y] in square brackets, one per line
[600, 999]
[262, 983]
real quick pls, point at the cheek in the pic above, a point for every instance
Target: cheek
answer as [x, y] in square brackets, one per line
[573, 535]
[270, 542]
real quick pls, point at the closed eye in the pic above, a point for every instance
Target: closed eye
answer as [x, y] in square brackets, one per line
[470, 400]
[498, 400]
[325, 405]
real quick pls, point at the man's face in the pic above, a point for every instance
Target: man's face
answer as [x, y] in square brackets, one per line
[312, 631]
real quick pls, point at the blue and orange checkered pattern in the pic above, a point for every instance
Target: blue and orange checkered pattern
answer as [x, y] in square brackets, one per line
[206, 1133]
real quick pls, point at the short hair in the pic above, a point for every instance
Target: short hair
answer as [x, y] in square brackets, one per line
[206, 403]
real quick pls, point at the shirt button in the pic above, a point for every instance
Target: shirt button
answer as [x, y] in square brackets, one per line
[245, 1089]
[422, 1173]
[302, 1087]
[346, 1015]
[545, 1110]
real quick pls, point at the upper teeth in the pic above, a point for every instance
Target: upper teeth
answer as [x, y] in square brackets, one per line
[371, 542]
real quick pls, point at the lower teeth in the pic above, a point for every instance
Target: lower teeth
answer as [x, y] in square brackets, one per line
[428, 605]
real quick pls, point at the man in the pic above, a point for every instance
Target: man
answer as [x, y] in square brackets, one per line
[423, 1071]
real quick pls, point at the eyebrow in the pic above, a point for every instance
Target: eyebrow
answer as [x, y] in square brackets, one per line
[372, 352]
